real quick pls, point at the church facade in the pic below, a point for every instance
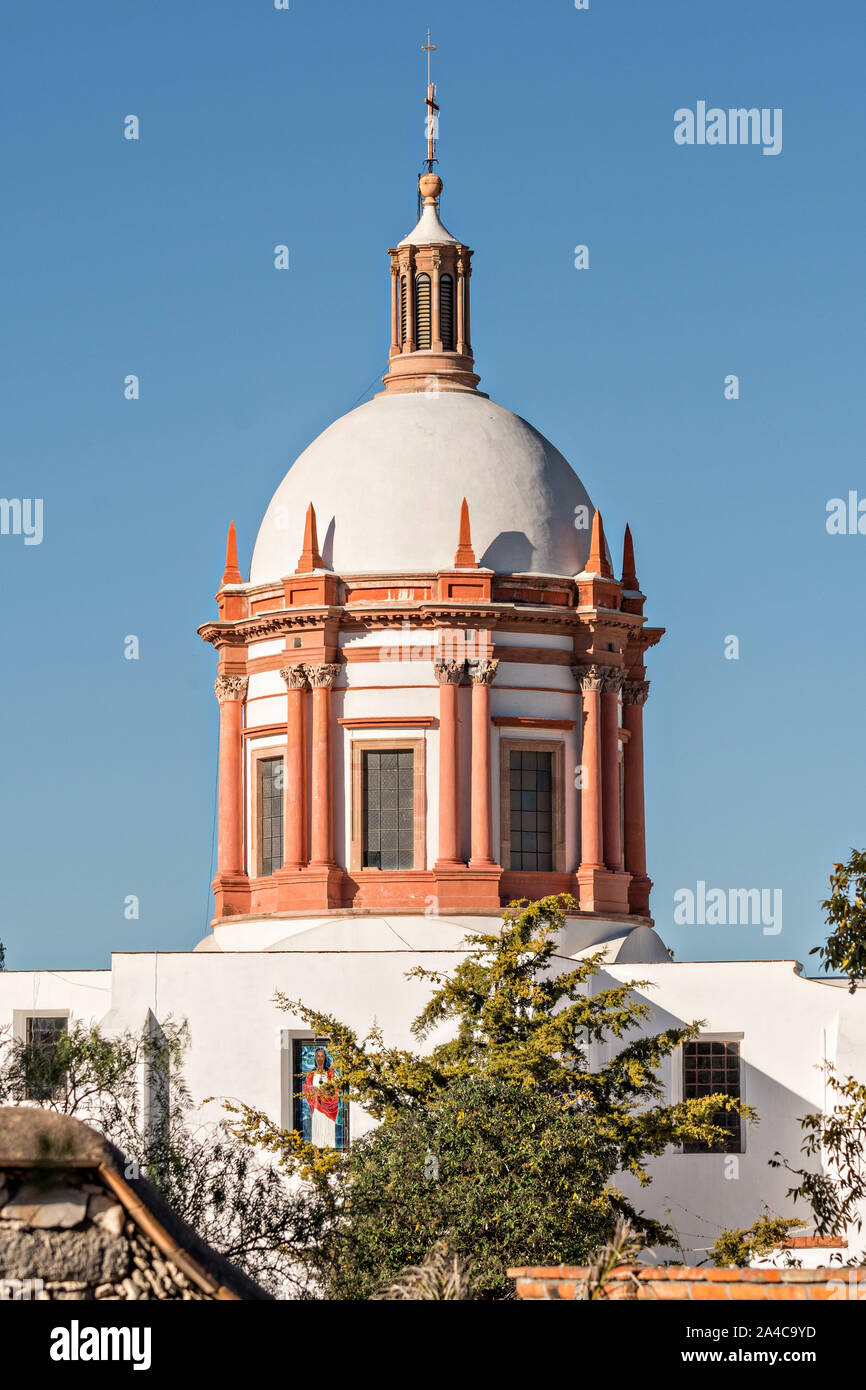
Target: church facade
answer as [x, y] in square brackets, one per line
[432, 689]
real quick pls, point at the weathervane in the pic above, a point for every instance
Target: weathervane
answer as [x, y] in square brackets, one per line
[432, 108]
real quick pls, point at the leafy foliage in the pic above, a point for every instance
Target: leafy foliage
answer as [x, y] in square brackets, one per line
[509, 1176]
[837, 1188]
[844, 951]
[2, 956]
[526, 1132]
[737, 1247]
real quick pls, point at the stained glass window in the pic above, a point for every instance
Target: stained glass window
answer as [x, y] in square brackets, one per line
[319, 1112]
[531, 792]
[713, 1068]
[388, 800]
[271, 814]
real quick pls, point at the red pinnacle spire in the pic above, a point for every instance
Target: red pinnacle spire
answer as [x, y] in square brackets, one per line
[629, 578]
[598, 562]
[231, 574]
[310, 558]
[465, 557]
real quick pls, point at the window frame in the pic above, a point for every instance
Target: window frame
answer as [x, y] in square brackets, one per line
[20, 1020]
[360, 746]
[555, 746]
[258, 756]
[728, 1038]
[292, 1081]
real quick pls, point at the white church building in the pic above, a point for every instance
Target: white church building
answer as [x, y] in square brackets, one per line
[432, 688]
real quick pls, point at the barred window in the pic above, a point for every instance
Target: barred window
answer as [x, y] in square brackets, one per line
[388, 802]
[713, 1068]
[531, 790]
[402, 309]
[270, 773]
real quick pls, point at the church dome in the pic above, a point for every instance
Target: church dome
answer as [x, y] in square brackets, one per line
[387, 481]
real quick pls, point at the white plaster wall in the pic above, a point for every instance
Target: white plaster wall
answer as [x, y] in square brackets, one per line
[356, 968]
[787, 1026]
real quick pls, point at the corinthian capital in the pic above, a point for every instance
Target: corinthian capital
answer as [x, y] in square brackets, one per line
[591, 677]
[231, 687]
[482, 672]
[635, 692]
[295, 677]
[322, 676]
[449, 672]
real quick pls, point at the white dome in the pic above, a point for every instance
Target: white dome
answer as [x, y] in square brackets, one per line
[387, 481]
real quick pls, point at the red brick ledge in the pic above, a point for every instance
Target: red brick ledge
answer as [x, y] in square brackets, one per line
[681, 1283]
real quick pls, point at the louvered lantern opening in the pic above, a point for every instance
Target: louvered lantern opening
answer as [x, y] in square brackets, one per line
[402, 310]
[446, 312]
[422, 312]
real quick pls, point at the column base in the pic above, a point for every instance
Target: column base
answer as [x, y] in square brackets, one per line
[639, 895]
[309, 889]
[231, 894]
[464, 888]
[603, 890]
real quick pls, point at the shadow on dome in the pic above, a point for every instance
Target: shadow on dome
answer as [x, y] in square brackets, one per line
[328, 545]
[510, 553]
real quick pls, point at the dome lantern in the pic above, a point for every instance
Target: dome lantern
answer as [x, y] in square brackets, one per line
[431, 348]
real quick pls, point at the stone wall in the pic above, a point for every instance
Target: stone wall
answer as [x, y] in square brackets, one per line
[72, 1226]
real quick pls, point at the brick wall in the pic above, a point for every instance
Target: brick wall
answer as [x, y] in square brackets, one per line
[682, 1283]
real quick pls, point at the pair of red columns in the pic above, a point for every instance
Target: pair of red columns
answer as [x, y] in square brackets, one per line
[450, 676]
[231, 691]
[601, 838]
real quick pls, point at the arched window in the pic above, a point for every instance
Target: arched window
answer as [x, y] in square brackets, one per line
[446, 312]
[402, 310]
[422, 312]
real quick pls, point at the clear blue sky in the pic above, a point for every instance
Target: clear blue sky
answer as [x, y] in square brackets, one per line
[304, 127]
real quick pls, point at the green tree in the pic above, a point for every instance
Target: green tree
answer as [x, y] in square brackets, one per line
[835, 1140]
[844, 951]
[737, 1247]
[522, 1022]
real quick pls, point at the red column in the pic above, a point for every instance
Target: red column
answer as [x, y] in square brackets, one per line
[409, 272]
[591, 681]
[436, 318]
[231, 691]
[449, 674]
[634, 694]
[395, 309]
[481, 674]
[322, 678]
[295, 786]
[610, 768]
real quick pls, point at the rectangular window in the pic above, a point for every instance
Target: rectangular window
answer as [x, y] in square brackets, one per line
[319, 1112]
[531, 800]
[388, 808]
[712, 1068]
[270, 777]
[44, 1076]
